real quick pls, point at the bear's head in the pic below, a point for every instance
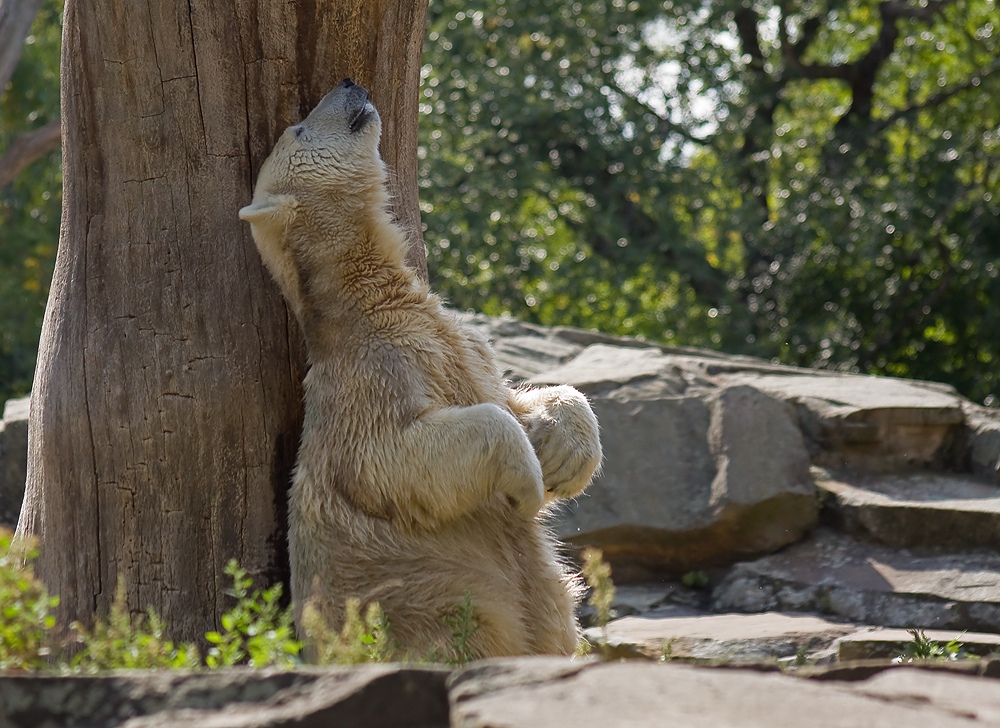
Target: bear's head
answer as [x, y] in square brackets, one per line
[327, 162]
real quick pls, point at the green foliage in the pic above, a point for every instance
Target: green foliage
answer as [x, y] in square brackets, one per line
[26, 620]
[923, 649]
[362, 638]
[777, 179]
[697, 579]
[597, 574]
[464, 625]
[30, 206]
[256, 631]
[127, 641]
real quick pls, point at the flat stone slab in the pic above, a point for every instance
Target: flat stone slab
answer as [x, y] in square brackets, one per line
[872, 423]
[600, 369]
[850, 394]
[913, 510]
[979, 702]
[540, 694]
[833, 574]
[373, 696]
[878, 642]
[668, 634]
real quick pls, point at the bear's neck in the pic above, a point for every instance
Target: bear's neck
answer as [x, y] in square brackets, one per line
[357, 286]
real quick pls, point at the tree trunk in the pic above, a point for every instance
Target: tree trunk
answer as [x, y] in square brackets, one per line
[166, 408]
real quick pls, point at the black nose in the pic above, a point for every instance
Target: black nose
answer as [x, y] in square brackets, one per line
[348, 82]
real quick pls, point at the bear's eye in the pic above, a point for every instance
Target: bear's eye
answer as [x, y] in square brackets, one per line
[298, 130]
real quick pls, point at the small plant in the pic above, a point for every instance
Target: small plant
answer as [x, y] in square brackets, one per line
[695, 579]
[597, 574]
[26, 620]
[130, 642]
[463, 625]
[923, 649]
[256, 631]
[667, 650]
[363, 638]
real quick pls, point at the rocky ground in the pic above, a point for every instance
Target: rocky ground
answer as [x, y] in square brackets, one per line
[790, 523]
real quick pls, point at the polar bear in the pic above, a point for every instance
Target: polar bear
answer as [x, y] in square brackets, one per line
[422, 478]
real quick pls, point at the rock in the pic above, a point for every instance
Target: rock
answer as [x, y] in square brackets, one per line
[640, 598]
[722, 477]
[876, 424]
[877, 642]
[954, 694]
[600, 370]
[13, 459]
[983, 434]
[540, 694]
[922, 509]
[373, 696]
[835, 575]
[732, 638]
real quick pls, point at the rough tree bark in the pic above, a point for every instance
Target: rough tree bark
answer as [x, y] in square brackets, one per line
[166, 405]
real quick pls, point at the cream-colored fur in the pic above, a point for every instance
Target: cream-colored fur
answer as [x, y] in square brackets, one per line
[421, 476]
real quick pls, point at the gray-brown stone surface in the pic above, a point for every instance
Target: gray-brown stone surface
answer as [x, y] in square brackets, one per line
[528, 692]
[832, 574]
[874, 423]
[382, 696]
[539, 694]
[879, 642]
[671, 633]
[915, 509]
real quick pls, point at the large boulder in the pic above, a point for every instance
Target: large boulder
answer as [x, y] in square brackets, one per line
[693, 481]
[697, 472]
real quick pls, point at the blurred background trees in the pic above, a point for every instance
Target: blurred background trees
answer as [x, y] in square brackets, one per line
[811, 182]
[30, 202]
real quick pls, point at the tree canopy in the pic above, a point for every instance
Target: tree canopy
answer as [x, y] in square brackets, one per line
[811, 182]
[815, 183]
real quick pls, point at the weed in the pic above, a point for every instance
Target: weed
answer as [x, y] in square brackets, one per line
[126, 641]
[26, 620]
[695, 579]
[923, 649]
[597, 573]
[667, 650]
[256, 630]
[363, 638]
[463, 625]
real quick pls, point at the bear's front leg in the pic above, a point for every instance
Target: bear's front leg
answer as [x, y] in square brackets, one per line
[448, 462]
[563, 430]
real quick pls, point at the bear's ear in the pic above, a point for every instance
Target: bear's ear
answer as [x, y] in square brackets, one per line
[270, 210]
